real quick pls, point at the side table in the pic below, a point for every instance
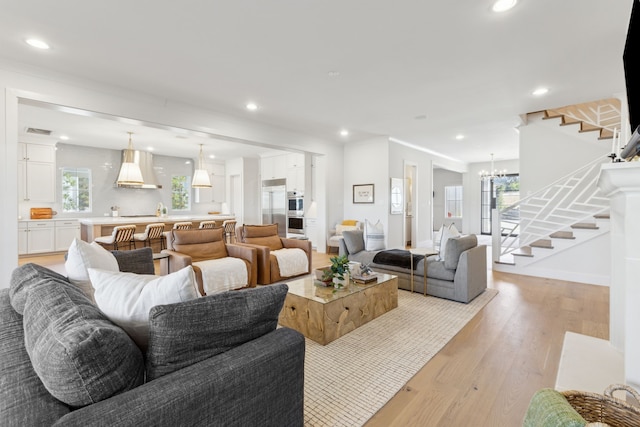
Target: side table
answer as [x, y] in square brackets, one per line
[425, 253]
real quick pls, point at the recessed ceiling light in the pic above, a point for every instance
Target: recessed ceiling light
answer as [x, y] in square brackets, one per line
[540, 91]
[251, 106]
[211, 156]
[503, 5]
[344, 132]
[64, 137]
[150, 148]
[459, 136]
[333, 73]
[37, 44]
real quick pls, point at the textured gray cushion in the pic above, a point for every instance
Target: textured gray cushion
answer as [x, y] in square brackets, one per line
[23, 399]
[185, 333]
[139, 261]
[437, 270]
[354, 240]
[78, 354]
[457, 245]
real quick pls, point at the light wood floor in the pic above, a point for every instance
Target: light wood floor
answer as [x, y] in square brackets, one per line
[486, 375]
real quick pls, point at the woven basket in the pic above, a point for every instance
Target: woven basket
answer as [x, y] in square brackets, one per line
[604, 408]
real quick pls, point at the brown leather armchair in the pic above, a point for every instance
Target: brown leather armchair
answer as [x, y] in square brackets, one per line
[188, 246]
[265, 238]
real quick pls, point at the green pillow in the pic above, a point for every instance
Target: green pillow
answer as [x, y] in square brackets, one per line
[549, 408]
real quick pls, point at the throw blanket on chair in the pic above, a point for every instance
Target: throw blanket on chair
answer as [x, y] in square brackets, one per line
[397, 258]
[222, 274]
[291, 261]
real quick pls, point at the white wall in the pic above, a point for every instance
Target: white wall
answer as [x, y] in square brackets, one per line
[29, 83]
[549, 152]
[366, 162]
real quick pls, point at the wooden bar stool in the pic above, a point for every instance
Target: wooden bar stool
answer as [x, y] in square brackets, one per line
[187, 225]
[229, 230]
[152, 232]
[207, 224]
[121, 235]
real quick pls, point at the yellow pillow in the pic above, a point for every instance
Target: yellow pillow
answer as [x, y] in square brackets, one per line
[350, 222]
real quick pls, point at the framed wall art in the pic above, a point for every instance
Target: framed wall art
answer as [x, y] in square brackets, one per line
[363, 193]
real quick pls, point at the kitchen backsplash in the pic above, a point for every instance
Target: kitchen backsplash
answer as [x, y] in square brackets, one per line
[105, 166]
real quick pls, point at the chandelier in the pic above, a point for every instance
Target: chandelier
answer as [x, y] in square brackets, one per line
[492, 173]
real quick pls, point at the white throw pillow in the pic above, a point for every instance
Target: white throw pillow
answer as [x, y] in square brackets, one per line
[374, 236]
[126, 298]
[447, 233]
[82, 256]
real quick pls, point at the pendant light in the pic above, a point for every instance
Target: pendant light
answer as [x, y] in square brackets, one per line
[129, 171]
[200, 176]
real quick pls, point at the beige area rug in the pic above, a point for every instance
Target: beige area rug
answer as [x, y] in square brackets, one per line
[350, 379]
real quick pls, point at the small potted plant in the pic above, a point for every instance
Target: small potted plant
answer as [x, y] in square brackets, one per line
[337, 271]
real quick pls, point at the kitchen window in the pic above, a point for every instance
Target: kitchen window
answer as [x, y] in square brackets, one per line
[453, 201]
[76, 190]
[180, 190]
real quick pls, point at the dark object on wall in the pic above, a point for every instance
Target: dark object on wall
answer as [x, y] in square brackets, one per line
[631, 69]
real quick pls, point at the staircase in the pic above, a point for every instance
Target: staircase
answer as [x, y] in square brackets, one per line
[570, 213]
[601, 116]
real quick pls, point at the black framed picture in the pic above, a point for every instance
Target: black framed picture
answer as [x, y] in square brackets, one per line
[363, 193]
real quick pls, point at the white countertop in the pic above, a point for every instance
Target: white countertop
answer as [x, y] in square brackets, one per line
[109, 220]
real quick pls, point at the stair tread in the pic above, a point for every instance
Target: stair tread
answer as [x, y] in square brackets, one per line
[542, 243]
[524, 254]
[585, 225]
[562, 235]
[602, 216]
[505, 263]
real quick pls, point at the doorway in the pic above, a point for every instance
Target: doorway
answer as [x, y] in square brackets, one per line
[498, 193]
[410, 196]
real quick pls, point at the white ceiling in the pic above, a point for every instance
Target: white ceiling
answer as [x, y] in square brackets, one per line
[417, 71]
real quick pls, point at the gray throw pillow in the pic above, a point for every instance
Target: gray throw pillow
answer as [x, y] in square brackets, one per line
[354, 240]
[139, 261]
[80, 356]
[185, 333]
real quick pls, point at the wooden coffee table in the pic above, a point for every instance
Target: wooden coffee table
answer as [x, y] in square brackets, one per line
[323, 315]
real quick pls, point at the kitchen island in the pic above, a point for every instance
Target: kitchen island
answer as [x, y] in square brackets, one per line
[90, 228]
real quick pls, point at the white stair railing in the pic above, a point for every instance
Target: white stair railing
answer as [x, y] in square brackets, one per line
[571, 199]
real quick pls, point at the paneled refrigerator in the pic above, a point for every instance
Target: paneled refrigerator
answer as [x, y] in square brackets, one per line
[274, 204]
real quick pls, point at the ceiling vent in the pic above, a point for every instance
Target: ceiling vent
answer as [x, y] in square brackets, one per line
[37, 131]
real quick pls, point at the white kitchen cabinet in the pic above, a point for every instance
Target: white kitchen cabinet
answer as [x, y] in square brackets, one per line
[36, 237]
[274, 167]
[295, 172]
[23, 232]
[66, 231]
[36, 173]
[311, 231]
[36, 152]
[217, 191]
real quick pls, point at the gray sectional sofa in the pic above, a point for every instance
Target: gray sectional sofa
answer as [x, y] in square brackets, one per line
[213, 361]
[460, 276]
